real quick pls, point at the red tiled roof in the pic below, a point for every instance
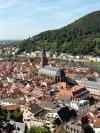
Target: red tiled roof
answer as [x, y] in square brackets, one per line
[10, 107]
[65, 92]
[62, 84]
[97, 123]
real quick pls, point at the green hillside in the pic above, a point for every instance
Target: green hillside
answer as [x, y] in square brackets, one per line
[80, 37]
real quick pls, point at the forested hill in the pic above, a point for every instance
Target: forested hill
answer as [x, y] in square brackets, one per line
[80, 37]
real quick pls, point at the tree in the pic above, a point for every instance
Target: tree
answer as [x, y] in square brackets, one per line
[80, 37]
[4, 123]
[16, 115]
[88, 129]
[47, 129]
[38, 129]
[63, 131]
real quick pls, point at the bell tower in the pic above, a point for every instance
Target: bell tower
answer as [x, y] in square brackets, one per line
[44, 60]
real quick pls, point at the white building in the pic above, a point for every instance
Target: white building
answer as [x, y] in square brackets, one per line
[80, 106]
[92, 86]
[33, 54]
[52, 114]
[91, 58]
[97, 130]
[98, 58]
[6, 103]
[54, 56]
[73, 127]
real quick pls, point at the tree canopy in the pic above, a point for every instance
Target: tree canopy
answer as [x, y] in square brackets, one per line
[80, 37]
[88, 129]
[39, 129]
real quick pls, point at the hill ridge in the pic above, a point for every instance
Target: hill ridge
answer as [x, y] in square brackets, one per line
[79, 37]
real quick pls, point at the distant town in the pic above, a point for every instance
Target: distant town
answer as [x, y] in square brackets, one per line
[49, 80]
[9, 50]
[38, 91]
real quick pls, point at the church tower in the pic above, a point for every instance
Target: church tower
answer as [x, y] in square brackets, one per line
[44, 60]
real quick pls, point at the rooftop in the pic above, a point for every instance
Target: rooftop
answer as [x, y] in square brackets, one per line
[51, 68]
[91, 84]
[10, 107]
[35, 108]
[50, 71]
[76, 88]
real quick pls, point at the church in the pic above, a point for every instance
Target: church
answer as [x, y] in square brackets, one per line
[49, 72]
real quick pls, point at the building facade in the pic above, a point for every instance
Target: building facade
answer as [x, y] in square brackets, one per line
[80, 106]
[73, 127]
[92, 86]
[49, 72]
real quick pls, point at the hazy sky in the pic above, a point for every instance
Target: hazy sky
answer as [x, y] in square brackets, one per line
[23, 18]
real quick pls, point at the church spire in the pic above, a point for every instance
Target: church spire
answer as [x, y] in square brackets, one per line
[44, 60]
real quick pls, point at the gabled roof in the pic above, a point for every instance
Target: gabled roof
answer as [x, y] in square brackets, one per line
[76, 88]
[35, 108]
[65, 92]
[10, 107]
[50, 71]
[49, 105]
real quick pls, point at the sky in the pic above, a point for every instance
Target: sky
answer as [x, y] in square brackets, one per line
[20, 19]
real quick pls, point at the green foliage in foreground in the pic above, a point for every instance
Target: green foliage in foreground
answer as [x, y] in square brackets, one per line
[16, 115]
[63, 131]
[88, 129]
[4, 123]
[38, 129]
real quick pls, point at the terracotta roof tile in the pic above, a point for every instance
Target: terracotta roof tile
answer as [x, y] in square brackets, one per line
[97, 123]
[10, 107]
[65, 92]
[76, 87]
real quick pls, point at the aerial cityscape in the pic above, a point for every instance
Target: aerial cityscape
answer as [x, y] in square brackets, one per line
[49, 66]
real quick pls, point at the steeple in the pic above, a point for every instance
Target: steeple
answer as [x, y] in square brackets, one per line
[44, 60]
